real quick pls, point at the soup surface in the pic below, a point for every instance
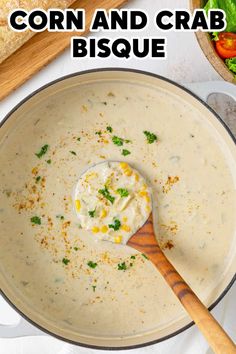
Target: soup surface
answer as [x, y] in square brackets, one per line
[57, 267]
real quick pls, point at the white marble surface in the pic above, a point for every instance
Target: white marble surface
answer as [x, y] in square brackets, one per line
[186, 63]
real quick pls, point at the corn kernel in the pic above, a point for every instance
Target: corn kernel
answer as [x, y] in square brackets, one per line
[35, 171]
[124, 165]
[105, 256]
[136, 177]
[103, 213]
[125, 228]
[78, 204]
[147, 198]
[143, 193]
[128, 172]
[104, 229]
[90, 176]
[118, 239]
[95, 229]
[124, 219]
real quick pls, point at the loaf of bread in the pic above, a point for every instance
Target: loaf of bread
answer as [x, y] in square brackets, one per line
[10, 41]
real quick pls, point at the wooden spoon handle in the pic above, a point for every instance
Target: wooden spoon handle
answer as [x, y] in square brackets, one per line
[210, 328]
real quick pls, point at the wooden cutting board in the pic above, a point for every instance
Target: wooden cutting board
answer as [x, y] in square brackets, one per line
[42, 48]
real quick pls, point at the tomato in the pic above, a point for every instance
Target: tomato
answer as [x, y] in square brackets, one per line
[226, 45]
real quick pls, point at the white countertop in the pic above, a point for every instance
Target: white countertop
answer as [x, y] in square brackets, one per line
[185, 64]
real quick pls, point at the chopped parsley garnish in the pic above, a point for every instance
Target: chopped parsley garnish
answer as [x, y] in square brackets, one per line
[92, 213]
[49, 161]
[78, 139]
[35, 220]
[122, 266]
[116, 226]
[109, 129]
[120, 141]
[117, 141]
[65, 261]
[150, 137]
[91, 264]
[76, 248]
[123, 192]
[144, 255]
[8, 192]
[42, 151]
[105, 192]
[98, 133]
[132, 257]
[73, 153]
[94, 287]
[61, 217]
[125, 152]
[37, 179]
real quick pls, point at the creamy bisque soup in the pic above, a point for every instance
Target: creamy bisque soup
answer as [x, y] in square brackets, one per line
[113, 201]
[57, 267]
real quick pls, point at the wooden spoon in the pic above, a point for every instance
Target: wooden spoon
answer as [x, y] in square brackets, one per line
[145, 241]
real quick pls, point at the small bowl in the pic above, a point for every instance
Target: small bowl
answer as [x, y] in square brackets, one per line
[208, 48]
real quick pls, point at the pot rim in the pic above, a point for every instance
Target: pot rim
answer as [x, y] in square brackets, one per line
[146, 73]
